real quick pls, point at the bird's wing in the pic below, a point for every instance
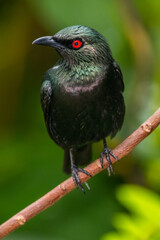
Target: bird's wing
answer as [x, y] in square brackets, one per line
[118, 76]
[114, 103]
[46, 94]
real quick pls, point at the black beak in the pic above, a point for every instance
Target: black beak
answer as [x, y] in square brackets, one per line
[46, 41]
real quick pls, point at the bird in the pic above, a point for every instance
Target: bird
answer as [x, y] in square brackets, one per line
[82, 96]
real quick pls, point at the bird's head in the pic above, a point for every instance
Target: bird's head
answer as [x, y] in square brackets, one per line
[78, 43]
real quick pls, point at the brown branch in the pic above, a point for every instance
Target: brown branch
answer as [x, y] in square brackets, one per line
[67, 186]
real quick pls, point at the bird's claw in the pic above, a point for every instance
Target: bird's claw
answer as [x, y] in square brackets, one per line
[76, 178]
[107, 152]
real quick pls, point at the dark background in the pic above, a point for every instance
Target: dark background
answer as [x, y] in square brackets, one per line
[31, 164]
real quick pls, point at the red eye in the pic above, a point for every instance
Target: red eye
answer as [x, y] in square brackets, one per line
[77, 44]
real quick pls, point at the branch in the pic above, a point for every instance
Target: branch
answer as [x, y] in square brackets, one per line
[68, 185]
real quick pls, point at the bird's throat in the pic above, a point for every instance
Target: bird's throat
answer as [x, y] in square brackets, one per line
[81, 74]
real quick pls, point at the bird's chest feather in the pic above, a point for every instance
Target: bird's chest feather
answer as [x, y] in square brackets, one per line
[77, 112]
[76, 98]
[80, 110]
[75, 103]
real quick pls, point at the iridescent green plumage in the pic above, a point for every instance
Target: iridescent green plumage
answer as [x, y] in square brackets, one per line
[81, 95]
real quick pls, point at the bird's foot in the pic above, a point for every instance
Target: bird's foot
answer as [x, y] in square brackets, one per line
[76, 178]
[107, 152]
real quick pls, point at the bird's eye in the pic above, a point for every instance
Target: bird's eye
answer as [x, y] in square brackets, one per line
[76, 44]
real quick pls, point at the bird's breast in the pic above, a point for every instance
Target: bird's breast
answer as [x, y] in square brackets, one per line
[79, 112]
[81, 88]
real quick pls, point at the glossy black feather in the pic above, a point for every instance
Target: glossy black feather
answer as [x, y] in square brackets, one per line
[77, 117]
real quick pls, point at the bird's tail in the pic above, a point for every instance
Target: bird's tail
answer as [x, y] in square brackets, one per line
[81, 156]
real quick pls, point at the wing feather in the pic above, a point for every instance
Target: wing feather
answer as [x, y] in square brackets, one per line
[118, 76]
[46, 95]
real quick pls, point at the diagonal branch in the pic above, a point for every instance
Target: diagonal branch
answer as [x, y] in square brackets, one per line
[68, 185]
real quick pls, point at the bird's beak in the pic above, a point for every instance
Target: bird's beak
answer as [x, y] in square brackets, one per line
[46, 41]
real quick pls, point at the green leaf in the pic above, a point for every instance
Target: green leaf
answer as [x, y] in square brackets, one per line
[141, 201]
[144, 221]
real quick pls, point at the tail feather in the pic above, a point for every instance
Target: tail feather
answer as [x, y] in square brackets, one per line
[82, 156]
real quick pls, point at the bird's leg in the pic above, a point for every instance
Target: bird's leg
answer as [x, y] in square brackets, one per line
[106, 152]
[75, 171]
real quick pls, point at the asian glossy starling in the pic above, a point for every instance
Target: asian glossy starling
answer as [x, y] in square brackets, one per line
[82, 96]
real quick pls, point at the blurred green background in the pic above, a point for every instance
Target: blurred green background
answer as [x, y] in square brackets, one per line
[118, 207]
